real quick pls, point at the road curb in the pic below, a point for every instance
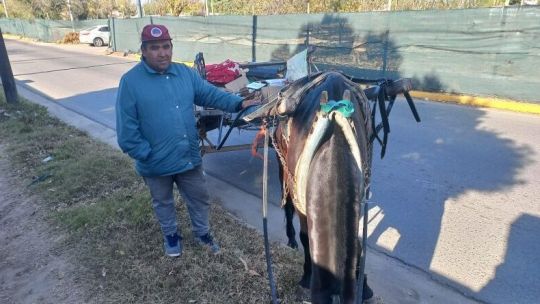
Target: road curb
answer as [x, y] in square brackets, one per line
[77, 120]
[477, 101]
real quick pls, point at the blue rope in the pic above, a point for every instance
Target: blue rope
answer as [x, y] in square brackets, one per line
[345, 107]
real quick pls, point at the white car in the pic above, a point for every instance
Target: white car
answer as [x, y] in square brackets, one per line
[97, 35]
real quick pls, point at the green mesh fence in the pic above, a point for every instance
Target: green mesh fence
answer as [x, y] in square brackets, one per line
[126, 33]
[219, 38]
[45, 30]
[487, 52]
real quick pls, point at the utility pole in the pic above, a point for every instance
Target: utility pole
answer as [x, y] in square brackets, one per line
[8, 82]
[139, 9]
[70, 15]
[206, 8]
[5, 8]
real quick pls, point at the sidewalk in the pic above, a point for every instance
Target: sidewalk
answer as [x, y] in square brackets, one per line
[391, 279]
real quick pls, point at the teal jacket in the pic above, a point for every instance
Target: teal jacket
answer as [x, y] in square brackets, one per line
[155, 123]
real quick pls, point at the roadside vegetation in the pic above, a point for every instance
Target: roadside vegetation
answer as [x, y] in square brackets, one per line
[96, 9]
[96, 200]
[70, 38]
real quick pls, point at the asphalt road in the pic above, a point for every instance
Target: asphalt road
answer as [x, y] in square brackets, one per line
[457, 196]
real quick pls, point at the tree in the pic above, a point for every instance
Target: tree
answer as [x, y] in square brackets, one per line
[94, 9]
[19, 9]
[173, 7]
[126, 7]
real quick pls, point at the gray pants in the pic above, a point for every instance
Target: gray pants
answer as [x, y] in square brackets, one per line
[192, 186]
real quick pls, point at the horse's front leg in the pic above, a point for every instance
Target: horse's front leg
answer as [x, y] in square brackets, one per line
[289, 211]
[289, 225]
[305, 282]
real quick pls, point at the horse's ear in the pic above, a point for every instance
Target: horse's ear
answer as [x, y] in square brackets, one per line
[346, 95]
[324, 97]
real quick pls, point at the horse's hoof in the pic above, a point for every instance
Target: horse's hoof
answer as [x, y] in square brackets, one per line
[304, 282]
[302, 294]
[293, 244]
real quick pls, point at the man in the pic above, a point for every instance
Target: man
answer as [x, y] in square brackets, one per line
[155, 125]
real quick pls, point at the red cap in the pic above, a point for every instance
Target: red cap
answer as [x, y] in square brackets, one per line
[154, 32]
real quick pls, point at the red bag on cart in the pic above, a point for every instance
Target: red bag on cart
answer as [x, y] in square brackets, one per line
[222, 73]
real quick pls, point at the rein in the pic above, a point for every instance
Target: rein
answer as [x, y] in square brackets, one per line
[268, 256]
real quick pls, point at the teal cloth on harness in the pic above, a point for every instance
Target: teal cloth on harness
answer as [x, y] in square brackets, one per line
[345, 107]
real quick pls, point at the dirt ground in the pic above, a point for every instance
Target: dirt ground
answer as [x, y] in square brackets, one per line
[32, 267]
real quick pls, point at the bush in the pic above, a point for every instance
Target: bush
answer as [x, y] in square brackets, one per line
[72, 38]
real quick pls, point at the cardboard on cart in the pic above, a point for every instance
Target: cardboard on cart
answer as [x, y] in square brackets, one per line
[237, 84]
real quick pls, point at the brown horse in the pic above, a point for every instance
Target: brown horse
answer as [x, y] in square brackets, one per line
[325, 153]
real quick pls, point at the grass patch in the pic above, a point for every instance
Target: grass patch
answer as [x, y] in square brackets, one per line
[132, 209]
[96, 198]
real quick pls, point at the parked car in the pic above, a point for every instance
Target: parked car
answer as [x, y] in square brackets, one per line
[97, 35]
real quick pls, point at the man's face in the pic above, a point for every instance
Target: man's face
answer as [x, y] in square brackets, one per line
[158, 54]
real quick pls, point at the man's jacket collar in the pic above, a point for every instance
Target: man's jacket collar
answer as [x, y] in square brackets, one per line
[169, 70]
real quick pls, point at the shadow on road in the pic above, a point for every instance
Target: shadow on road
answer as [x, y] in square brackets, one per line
[97, 106]
[426, 170]
[520, 265]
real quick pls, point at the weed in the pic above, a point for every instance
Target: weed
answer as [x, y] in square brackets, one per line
[71, 38]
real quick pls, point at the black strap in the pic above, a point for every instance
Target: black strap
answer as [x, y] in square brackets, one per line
[412, 106]
[200, 65]
[379, 96]
[384, 116]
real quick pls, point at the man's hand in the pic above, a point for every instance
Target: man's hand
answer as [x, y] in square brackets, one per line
[251, 100]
